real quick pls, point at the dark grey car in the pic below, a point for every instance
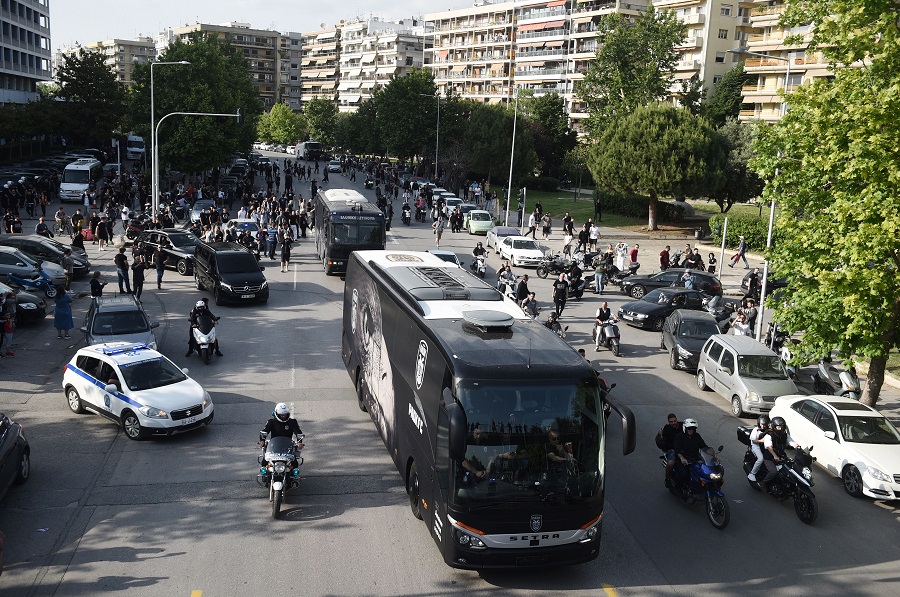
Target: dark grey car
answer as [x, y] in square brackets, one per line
[683, 335]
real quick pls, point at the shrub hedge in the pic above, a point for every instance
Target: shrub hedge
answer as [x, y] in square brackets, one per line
[754, 229]
[543, 183]
[636, 206]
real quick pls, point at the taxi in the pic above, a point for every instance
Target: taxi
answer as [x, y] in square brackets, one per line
[136, 387]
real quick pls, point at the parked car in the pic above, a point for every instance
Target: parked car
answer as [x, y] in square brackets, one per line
[498, 233]
[745, 372]
[43, 249]
[119, 318]
[852, 441]
[651, 310]
[240, 224]
[136, 387]
[29, 307]
[773, 284]
[15, 455]
[521, 251]
[683, 335]
[638, 286]
[478, 221]
[15, 262]
[178, 244]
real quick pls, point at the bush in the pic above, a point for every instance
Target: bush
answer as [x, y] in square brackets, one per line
[543, 183]
[754, 229]
[636, 206]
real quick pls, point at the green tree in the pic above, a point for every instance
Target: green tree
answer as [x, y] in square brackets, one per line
[283, 125]
[659, 150]
[741, 181]
[488, 136]
[407, 114]
[691, 94]
[321, 119]
[355, 131]
[726, 99]
[550, 127]
[632, 67]
[94, 100]
[217, 80]
[832, 164]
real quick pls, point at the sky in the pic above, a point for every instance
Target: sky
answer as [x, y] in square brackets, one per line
[85, 21]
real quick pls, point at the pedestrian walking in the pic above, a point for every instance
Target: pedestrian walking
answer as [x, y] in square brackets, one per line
[560, 293]
[438, 227]
[62, 314]
[286, 243]
[121, 261]
[159, 260]
[138, 268]
[8, 328]
[740, 254]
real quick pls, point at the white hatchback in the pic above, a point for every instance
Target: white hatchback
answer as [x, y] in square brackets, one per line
[138, 388]
[521, 251]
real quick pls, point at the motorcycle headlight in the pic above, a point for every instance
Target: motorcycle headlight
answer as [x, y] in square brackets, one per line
[752, 397]
[154, 413]
[807, 473]
[279, 467]
[715, 476]
[207, 400]
[877, 474]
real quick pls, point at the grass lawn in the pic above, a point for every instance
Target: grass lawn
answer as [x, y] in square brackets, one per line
[893, 362]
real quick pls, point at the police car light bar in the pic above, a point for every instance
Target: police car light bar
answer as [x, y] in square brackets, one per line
[125, 348]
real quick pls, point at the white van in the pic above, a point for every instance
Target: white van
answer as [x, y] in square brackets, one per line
[134, 147]
[79, 176]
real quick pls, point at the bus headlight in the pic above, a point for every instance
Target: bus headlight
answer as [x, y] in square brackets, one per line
[469, 541]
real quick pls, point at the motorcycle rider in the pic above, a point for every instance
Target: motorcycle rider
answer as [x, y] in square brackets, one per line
[405, 210]
[281, 425]
[756, 442]
[774, 444]
[604, 314]
[689, 443]
[479, 250]
[505, 277]
[200, 308]
[665, 441]
[552, 324]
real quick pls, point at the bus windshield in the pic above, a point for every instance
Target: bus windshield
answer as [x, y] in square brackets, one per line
[366, 233]
[536, 443]
[77, 176]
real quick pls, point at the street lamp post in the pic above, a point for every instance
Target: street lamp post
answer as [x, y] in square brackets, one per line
[437, 134]
[512, 153]
[154, 172]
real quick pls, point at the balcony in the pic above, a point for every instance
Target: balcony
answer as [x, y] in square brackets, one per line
[540, 72]
[691, 43]
[762, 11]
[684, 65]
[530, 15]
[694, 19]
[541, 34]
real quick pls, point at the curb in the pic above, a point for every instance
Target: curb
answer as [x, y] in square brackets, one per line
[889, 378]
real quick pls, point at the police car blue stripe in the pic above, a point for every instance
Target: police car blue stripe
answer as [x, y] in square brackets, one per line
[95, 382]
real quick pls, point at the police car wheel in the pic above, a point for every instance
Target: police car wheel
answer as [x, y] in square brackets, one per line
[74, 400]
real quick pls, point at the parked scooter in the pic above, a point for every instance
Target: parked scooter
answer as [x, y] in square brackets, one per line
[829, 380]
[611, 336]
[615, 276]
[702, 480]
[576, 288]
[794, 478]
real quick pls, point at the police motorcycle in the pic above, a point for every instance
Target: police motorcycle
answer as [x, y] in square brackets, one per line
[204, 332]
[279, 474]
[794, 478]
[702, 480]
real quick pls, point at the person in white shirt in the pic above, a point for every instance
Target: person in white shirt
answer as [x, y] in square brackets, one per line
[593, 237]
[757, 438]
[242, 213]
[740, 327]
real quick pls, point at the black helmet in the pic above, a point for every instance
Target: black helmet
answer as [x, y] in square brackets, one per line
[763, 421]
[779, 433]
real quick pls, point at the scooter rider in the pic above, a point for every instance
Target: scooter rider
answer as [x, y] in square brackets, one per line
[552, 324]
[689, 443]
[756, 442]
[479, 250]
[774, 445]
[604, 314]
[199, 308]
[281, 425]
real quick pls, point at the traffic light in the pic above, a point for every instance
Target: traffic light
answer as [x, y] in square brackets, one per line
[240, 116]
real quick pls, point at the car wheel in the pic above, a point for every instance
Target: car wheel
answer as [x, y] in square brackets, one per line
[638, 291]
[673, 359]
[853, 483]
[132, 427]
[701, 380]
[74, 400]
[412, 489]
[736, 408]
[662, 341]
[658, 324]
[23, 472]
[182, 267]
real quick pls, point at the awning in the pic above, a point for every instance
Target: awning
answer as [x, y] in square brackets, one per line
[368, 84]
[552, 24]
[683, 75]
[580, 20]
[555, 44]
[531, 27]
[530, 4]
[384, 70]
[306, 62]
[368, 57]
[530, 63]
[350, 99]
[325, 36]
[556, 3]
[443, 53]
[344, 85]
[354, 72]
[327, 84]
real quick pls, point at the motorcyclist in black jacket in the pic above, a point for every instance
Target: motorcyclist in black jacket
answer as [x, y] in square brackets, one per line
[689, 443]
[281, 425]
[202, 306]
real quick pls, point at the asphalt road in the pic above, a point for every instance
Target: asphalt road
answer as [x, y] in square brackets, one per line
[175, 516]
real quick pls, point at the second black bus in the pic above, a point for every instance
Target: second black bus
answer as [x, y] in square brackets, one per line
[345, 222]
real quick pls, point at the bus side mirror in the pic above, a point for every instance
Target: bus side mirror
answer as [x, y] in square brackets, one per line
[629, 427]
[458, 431]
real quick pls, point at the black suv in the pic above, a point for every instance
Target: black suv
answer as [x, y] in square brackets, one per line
[231, 272]
[178, 245]
[638, 286]
[42, 248]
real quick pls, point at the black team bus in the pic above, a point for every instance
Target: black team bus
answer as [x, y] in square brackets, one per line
[495, 423]
[345, 222]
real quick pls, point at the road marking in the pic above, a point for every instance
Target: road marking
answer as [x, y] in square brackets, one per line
[608, 589]
[196, 593]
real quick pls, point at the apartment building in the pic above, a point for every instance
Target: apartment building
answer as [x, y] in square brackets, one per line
[261, 48]
[319, 65]
[290, 71]
[372, 51]
[24, 49]
[120, 55]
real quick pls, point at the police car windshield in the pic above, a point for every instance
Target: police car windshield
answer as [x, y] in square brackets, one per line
[537, 442]
[152, 373]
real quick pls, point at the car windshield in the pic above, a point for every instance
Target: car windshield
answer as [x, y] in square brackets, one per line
[868, 430]
[540, 442]
[658, 297]
[698, 329]
[479, 216]
[202, 205]
[184, 240]
[761, 366]
[119, 322]
[152, 373]
[238, 262]
[526, 244]
[249, 226]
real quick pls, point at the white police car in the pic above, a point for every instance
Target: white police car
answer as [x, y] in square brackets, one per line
[138, 388]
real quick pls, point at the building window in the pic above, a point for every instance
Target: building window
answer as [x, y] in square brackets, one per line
[726, 10]
[723, 33]
[720, 57]
[717, 79]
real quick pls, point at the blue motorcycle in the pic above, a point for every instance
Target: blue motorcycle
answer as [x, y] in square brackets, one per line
[41, 282]
[702, 481]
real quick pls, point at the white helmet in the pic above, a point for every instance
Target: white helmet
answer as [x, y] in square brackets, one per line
[282, 412]
[199, 304]
[690, 423]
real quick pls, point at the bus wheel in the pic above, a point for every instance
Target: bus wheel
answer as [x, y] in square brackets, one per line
[360, 398]
[412, 488]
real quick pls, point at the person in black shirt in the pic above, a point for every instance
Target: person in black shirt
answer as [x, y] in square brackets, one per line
[97, 285]
[665, 441]
[121, 261]
[689, 443]
[522, 289]
[560, 293]
[281, 425]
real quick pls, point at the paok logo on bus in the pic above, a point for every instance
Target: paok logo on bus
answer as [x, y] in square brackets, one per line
[421, 359]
